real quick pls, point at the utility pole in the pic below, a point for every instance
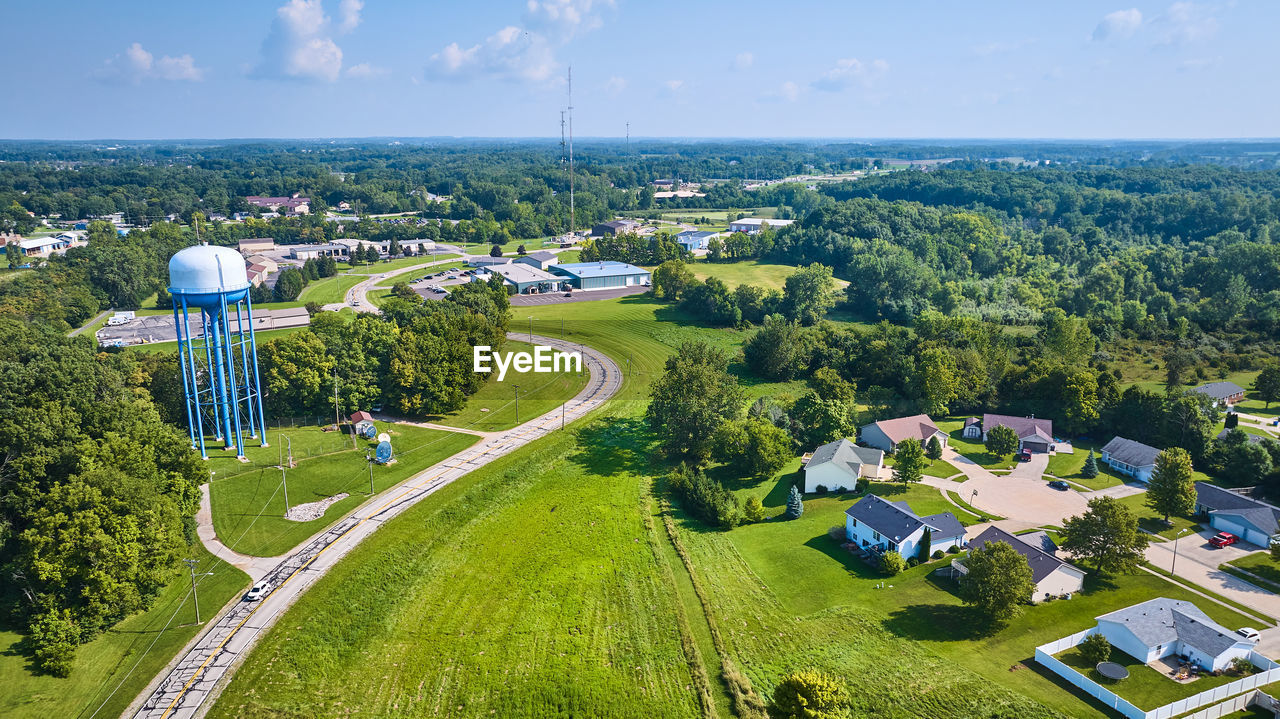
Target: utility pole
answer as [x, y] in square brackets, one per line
[562, 404]
[368, 458]
[336, 422]
[517, 389]
[284, 476]
[191, 565]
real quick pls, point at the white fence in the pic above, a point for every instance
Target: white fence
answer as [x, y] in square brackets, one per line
[1244, 687]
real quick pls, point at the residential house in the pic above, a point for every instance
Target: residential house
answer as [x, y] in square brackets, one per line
[1233, 511]
[614, 227]
[878, 525]
[294, 205]
[1253, 438]
[1135, 459]
[1052, 576]
[540, 259]
[838, 465]
[1163, 627]
[363, 422]
[752, 225]
[887, 433]
[1223, 394]
[1034, 434]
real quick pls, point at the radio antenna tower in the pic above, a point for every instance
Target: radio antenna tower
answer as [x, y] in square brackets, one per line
[628, 138]
[562, 145]
[572, 223]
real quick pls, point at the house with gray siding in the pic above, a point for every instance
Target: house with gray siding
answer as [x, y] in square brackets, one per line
[1135, 459]
[838, 465]
[1164, 627]
[878, 525]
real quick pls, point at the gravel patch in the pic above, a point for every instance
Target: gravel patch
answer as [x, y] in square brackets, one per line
[313, 510]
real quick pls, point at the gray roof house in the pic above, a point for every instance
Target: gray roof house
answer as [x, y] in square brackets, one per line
[838, 465]
[1052, 576]
[1161, 627]
[887, 433]
[1135, 459]
[1253, 438]
[1033, 434]
[1250, 519]
[1224, 393]
[876, 524]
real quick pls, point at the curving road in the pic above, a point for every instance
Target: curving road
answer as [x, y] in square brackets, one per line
[183, 690]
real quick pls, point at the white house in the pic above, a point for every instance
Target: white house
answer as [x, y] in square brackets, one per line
[887, 433]
[1052, 576]
[752, 225]
[1231, 511]
[839, 464]
[1034, 434]
[1135, 459]
[1161, 627]
[877, 524]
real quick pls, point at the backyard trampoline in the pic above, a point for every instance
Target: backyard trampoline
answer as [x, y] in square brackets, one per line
[1112, 671]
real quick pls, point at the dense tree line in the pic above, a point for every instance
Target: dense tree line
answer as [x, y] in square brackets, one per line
[415, 358]
[95, 490]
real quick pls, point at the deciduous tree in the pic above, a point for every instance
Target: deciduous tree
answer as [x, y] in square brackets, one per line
[1001, 441]
[1106, 537]
[998, 582]
[1172, 489]
[908, 461]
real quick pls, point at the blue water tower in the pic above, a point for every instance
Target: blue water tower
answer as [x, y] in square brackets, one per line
[216, 347]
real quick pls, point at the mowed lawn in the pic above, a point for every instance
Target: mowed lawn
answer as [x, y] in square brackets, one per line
[528, 588]
[821, 590]
[1069, 466]
[748, 272]
[494, 406]
[248, 509]
[113, 668]
[329, 290]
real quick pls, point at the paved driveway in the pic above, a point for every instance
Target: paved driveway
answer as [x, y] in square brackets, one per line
[1198, 563]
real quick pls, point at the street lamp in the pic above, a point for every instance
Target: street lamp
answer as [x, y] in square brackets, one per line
[1174, 565]
[972, 497]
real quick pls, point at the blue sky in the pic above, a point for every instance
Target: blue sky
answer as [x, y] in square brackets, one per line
[356, 68]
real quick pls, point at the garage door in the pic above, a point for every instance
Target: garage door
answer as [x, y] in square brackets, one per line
[1253, 536]
[1223, 525]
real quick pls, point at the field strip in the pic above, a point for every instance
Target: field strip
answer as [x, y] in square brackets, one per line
[183, 691]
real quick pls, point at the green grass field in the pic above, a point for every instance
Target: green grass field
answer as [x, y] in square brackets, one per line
[1069, 466]
[1154, 523]
[397, 264]
[1145, 687]
[973, 450]
[750, 272]
[493, 407]
[1262, 565]
[330, 289]
[248, 508]
[113, 668]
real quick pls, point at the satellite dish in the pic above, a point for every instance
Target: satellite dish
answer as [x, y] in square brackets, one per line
[382, 454]
[369, 430]
[384, 437]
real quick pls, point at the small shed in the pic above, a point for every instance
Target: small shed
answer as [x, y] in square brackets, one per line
[363, 422]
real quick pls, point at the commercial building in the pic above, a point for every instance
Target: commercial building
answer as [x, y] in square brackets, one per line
[45, 246]
[309, 252]
[524, 279]
[602, 275]
[752, 225]
[540, 259]
[695, 239]
[615, 227]
[295, 205]
[256, 245]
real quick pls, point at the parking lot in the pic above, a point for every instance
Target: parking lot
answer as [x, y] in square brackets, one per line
[553, 298]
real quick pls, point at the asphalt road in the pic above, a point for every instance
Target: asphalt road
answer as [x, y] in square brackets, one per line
[182, 691]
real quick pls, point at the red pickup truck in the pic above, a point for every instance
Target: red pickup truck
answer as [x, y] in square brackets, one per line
[1222, 539]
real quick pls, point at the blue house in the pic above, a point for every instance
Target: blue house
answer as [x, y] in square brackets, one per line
[878, 525]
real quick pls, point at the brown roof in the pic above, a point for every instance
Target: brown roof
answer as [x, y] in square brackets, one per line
[1025, 427]
[918, 427]
[361, 416]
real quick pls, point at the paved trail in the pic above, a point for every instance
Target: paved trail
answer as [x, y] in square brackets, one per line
[183, 690]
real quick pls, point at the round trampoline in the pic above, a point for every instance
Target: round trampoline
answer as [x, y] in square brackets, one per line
[1112, 671]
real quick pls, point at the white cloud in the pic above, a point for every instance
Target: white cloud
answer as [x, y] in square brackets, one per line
[1183, 23]
[1199, 63]
[848, 72]
[789, 91]
[673, 86]
[525, 52]
[364, 71]
[1119, 24]
[136, 64]
[743, 61]
[615, 85]
[349, 12]
[300, 45]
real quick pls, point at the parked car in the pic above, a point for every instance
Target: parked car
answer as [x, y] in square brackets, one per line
[257, 591]
[1060, 485]
[1249, 633]
[1024, 455]
[1223, 539]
